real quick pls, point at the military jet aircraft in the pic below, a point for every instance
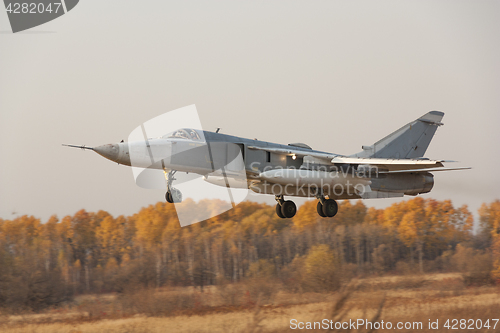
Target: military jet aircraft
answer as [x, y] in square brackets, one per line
[391, 167]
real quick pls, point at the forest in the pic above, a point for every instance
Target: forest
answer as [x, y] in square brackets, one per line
[47, 263]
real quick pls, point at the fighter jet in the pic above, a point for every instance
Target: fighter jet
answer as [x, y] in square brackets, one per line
[391, 167]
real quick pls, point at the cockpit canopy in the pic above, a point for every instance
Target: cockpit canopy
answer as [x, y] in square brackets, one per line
[185, 133]
[301, 145]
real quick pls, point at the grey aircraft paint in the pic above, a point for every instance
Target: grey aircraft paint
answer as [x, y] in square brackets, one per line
[392, 167]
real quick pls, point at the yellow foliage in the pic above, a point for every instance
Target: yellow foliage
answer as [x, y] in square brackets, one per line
[307, 216]
[249, 240]
[111, 265]
[489, 219]
[261, 269]
[320, 268]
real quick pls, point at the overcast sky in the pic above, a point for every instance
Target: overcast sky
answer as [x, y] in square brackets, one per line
[333, 74]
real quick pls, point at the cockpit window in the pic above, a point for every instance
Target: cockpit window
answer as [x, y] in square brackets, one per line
[194, 135]
[180, 134]
[185, 133]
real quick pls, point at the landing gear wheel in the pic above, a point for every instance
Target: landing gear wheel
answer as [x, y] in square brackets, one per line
[330, 208]
[176, 195]
[278, 211]
[319, 208]
[288, 209]
[168, 197]
[173, 196]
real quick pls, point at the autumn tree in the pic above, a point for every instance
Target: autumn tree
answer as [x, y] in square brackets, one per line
[428, 225]
[489, 219]
[321, 268]
[96, 252]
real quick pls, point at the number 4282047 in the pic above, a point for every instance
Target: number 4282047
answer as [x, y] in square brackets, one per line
[470, 324]
[33, 8]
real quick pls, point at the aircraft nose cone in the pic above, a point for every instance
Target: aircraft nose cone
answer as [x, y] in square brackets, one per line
[110, 151]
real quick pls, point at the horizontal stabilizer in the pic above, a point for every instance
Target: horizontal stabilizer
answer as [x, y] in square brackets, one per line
[426, 170]
[389, 164]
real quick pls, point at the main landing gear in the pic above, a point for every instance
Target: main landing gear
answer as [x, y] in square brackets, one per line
[173, 195]
[327, 207]
[285, 209]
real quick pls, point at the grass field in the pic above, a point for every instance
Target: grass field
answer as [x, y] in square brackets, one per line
[234, 309]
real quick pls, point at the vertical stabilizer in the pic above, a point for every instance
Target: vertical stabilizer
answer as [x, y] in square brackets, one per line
[410, 141]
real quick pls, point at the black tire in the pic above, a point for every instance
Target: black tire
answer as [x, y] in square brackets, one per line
[330, 208]
[288, 209]
[168, 197]
[319, 208]
[278, 211]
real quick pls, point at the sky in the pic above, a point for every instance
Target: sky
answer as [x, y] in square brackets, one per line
[333, 74]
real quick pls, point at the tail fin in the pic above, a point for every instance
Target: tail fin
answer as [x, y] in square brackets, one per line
[410, 141]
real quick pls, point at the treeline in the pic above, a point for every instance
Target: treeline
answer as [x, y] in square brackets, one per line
[44, 264]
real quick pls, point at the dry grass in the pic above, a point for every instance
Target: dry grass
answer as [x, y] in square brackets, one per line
[235, 309]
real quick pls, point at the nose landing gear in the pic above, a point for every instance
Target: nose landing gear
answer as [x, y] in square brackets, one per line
[173, 195]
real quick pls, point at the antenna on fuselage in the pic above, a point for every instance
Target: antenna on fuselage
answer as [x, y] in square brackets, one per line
[82, 147]
[218, 129]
